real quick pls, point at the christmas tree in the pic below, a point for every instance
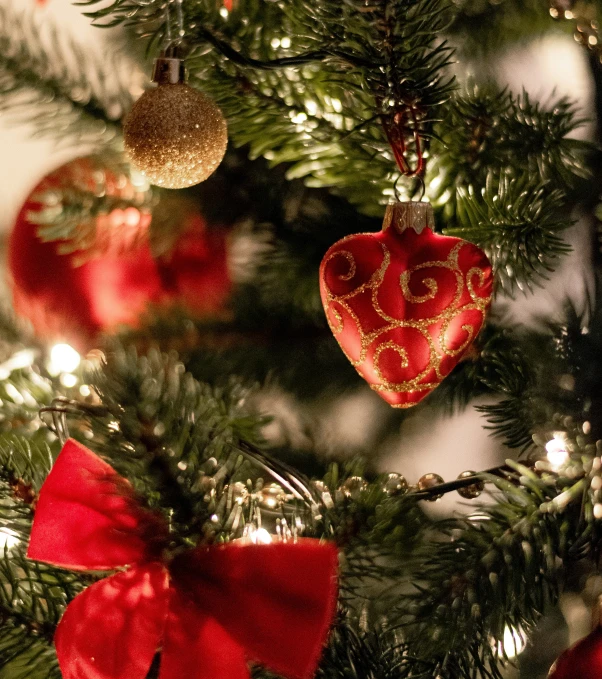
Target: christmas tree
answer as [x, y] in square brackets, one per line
[291, 234]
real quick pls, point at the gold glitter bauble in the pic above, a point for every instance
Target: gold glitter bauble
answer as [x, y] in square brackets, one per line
[175, 135]
[472, 491]
[428, 481]
[239, 493]
[353, 487]
[395, 484]
[271, 496]
[324, 493]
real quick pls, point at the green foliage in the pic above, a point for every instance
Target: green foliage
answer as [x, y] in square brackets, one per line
[487, 27]
[355, 66]
[164, 430]
[32, 595]
[546, 375]
[490, 130]
[56, 84]
[501, 569]
[377, 652]
[517, 222]
[503, 176]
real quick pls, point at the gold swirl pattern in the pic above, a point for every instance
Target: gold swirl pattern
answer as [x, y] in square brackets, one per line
[402, 340]
[430, 283]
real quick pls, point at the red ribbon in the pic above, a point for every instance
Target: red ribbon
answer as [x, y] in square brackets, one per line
[208, 610]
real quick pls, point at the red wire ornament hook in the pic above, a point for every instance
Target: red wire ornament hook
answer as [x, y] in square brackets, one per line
[398, 130]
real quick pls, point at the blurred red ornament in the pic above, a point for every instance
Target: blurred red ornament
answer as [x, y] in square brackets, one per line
[581, 661]
[75, 303]
[105, 275]
[195, 273]
[405, 304]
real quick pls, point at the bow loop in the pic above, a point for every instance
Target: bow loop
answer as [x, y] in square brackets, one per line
[114, 627]
[88, 518]
[276, 600]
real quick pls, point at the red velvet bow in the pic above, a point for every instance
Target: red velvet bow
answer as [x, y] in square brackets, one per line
[209, 609]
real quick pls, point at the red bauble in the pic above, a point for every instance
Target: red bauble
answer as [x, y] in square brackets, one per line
[581, 661]
[195, 273]
[405, 304]
[75, 303]
[75, 294]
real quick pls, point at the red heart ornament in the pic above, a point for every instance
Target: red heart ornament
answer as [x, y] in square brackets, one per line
[581, 661]
[405, 304]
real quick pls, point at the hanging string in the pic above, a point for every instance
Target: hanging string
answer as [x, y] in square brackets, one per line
[167, 40]
[398, 128]
[180, 19]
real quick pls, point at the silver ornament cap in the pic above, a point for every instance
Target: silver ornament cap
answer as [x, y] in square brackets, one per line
[404, 215]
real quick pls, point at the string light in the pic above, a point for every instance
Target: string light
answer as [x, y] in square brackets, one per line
[63, 359]
[556, 452]
[68, 380]
[8, 539]
[513, 643]
[259, 536]
[22, 359]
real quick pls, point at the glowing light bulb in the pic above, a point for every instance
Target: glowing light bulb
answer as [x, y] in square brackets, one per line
[260, 537]
[556, 452]
[68, 380]
[8, 539]
[513, 643]
[22, 359]
[64, 359]
[298, 118]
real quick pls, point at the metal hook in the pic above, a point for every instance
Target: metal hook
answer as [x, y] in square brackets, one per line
[398, 196]
[60, 408]
[58, 411]
[422, 186]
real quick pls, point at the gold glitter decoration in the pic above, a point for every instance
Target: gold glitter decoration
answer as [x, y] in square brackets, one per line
[395, 484]
[428, 481]
[271, 496]
[472, 491]
[175, 135]
[353, 487]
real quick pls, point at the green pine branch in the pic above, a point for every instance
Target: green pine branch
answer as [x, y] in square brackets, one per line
[56, 85]
[517, 222]
[503, 566]
[491, 130]
[33, 596]
[504, 175]
[487, 28]
[349, 69]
